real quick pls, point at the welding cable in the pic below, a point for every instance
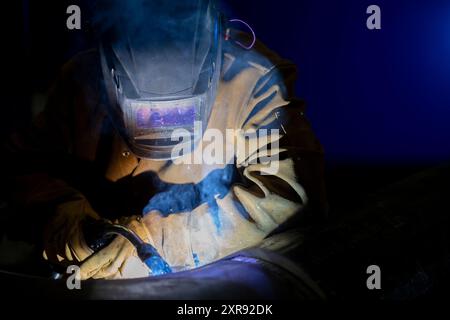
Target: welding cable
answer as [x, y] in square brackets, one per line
[227, 36]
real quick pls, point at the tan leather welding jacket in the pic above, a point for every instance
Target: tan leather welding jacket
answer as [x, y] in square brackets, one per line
[90, 170]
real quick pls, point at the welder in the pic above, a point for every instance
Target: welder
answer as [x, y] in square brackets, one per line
[103, 147]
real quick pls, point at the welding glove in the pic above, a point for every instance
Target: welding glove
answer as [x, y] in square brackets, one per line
[118, 259]
[63, 239]
[65, 244]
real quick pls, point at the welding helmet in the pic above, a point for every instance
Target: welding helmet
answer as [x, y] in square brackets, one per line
[161, 66]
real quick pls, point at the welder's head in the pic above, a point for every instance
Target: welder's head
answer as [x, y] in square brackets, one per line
[161, 64]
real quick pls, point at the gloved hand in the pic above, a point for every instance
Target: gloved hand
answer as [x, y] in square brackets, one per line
[63, 238]
[64, 244]
[119, 258]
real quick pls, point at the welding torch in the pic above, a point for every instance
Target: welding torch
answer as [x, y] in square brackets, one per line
[99, 233]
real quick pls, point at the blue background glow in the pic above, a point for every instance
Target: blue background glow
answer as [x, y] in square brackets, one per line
[373, 96]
